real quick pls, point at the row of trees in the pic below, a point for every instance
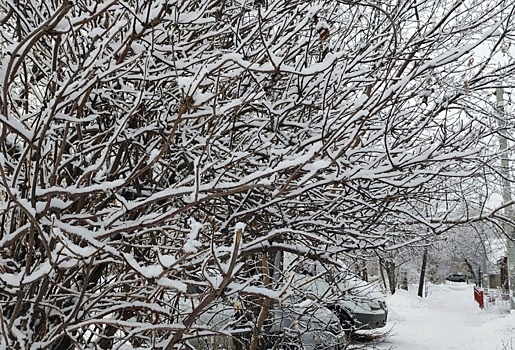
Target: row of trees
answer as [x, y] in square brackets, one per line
[152, 148]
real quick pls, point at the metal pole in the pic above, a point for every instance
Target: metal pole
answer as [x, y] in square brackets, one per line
[506, 194]
[483, 277]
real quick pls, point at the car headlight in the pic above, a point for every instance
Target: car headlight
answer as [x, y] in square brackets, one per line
[374, 304]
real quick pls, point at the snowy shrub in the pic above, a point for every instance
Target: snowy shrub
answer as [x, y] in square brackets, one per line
[138, 136]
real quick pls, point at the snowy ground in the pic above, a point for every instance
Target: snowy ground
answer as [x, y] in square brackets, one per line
[448, 318]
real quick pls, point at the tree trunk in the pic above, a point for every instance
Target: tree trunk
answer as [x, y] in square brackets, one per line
[471, 269]
[267, 302]
[422, 274]
[404, 281]
[381, 272]
[364, 274]
[390, 272]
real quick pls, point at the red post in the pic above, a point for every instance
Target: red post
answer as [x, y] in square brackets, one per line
[478, 296]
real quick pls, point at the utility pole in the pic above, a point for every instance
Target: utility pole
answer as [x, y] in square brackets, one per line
[483, 277]
[506, 194]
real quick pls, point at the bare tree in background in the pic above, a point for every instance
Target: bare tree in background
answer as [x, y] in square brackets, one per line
[137, 136]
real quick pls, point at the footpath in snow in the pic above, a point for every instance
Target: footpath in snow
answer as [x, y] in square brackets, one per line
[448, 318]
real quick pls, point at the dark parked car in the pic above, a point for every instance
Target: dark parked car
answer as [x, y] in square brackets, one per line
[456, 277]
[358, 304]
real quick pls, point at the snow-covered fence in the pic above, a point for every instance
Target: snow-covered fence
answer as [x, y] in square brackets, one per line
[496, 298]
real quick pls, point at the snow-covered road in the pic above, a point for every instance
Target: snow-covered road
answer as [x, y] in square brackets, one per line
[447, 319]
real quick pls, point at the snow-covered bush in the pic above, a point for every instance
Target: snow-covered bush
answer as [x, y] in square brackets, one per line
[136, 135]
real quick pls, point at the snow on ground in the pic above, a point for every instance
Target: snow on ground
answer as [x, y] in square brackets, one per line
[448, 318]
